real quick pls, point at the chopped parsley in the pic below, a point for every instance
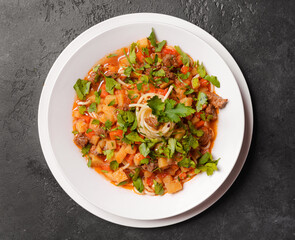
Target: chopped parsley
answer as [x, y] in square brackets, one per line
[144, 149]
[85, 150]
[112, 55]
[112, 103]
[82, 109]
[201, 70]
[134, 137]
[159, 190]
[184, 57]
[213, 80]
[92, 107]
[111, 84]
[144, 161]
[89, 130]
[109, 153]
[202, 100]
[114, 165]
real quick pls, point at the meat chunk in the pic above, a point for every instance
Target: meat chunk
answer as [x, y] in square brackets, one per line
[81, 140]
[153, 122]
[210, 110]
[168, 73]
[170, 60]
[207, 136]
[216, 101]
[101, 131]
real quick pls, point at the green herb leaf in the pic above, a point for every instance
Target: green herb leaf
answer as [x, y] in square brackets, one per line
[145, 51]
[180, 110]
[75, 132]
[194, 130]
[82, 109]
[189, 91]
[171, 147]
[160, 73]
[184, 57]
[184, 76]
[126, 119]
[159, 190]
[134, 137]
[109, 153]
[82, 88]
[159, 46]
[112, 55]
[89, 162]
[111, 84]
[114, 165]
[104, 171]
[202, 100]
[156, 105]
[85, 150]
[205, 158]
[152, 38]
[144, 161]
[112, 103]
[128, 60]
[143, 149]
[149, 60]
[195, 82]
[122, 183]
[92, 107]
[139, 86]
[96, 68]
[138, 184]
[108, 124]
[89, 130]
[201, 70]
[213, 80]
[97, 96]
[186, 162]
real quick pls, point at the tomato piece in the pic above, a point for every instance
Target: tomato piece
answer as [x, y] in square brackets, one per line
[90, 134]
[182, 175]
[150, 180]
[140, 56]
[184, 69]
[105, 166]
[162, 91]
[169, 50]
[114, 135]
[86, 118]
[104, 93]
[204, 83]
[200, 124]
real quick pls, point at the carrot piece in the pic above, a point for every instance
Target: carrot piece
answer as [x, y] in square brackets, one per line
[105, 166]
[204, 83]
[90, 134]
[169, 50]
[184, 69]
[104, 93]
[114, 135]
[130, 158]
[162, 91]
[182, 175]
[86, 118]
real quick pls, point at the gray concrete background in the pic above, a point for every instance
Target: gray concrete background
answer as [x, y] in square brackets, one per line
[261, 37]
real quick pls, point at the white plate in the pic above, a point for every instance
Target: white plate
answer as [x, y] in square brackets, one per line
[59, 159]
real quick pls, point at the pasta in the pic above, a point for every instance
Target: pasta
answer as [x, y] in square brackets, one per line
[146, 116]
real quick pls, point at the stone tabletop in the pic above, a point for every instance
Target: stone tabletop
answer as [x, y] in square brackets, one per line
[261, 37]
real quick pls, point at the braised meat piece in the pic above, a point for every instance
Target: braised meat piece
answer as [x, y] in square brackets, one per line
[208, 134]
[153, 122]
[81, 140]
[216, 101]
[210, 110]
[170, 61]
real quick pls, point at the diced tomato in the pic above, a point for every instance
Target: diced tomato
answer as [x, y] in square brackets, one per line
[140, 56]
[179, 59]
[152, 89]
[169, 50]
[200, 124]
[184, 69]
[90, 134]
[162, 91]
[130, 158]
[150, 180]
[105, 166]
[182, 175]
[104, 93]
[204, 83]
[86, 118]
[116, 134]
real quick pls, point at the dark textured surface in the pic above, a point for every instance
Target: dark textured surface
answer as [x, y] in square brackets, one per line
[261, 37]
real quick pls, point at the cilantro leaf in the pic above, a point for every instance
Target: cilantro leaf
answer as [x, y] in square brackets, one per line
[108, 124]
[139, 86]
[89, 130]
[158, 188]
[189, 91]
[184, 76]
[149, 60]
[109, 153]
[112, 55]
[85, 150]
[132, 55]
[160, 73]
[92, 107]
[89, 162]
[75, 132]
[82, 88]
[144, 161]
[82, 109]
[159, 46]
[205, 158]
[127, 119]
[156, 105]
[202, 100]
[95, 122]
[144, 150]
[195, 82]
[112, 103]
[201, 70]
[152, 38]
[213, 80]
[184, 57]
[138, 184]
[128, 60]
[128, 71]
[194, 130]
[111, 84]
[187, 163]
[114, 165]
[145, 51]
[95, 69]
[189, 142]
[171, 147]
[179, 148]
[180, 110]
[134, 137]
[122, 183]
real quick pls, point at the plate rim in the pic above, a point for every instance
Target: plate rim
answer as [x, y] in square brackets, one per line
[109, 21]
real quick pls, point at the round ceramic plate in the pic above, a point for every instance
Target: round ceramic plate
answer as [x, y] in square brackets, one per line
[56, 140]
